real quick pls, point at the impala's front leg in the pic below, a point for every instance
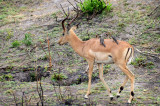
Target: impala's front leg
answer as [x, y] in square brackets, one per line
[87, 69]
[100, 66]
[89, 78]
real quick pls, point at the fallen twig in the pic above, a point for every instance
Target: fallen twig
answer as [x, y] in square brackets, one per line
[41, 89]
[28, 102]
[14, 98]
[40, 92]
[157, 55]
[154, 10]
[22, 98]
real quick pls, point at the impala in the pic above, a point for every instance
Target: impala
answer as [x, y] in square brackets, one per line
[120, 54]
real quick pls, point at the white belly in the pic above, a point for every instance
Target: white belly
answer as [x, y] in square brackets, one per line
[102, 57]
[108, 61]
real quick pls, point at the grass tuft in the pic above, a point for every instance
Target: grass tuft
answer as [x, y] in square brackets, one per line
[16, 43]
[27, 40]
[141, 61]
[58, 77]
[6, 77]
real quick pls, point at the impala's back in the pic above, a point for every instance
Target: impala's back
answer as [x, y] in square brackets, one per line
[112, 53]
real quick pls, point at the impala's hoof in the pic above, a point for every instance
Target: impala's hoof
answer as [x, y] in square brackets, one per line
[86, 97]
[111, 98]
[129, 101]
[118, 95]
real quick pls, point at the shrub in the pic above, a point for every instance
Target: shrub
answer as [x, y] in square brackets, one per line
[150, 65]
[33, 76]
[6, 77]
[27, 40]
[9, 34]
[85, 38]
[109, 7]
[9, 91]
[139, 61]
[16, 43]
[45, 57]
[89, 6]
[58, 77]
[1, 78]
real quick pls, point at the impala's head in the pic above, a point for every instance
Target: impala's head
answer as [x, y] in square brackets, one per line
[65, 34]
[66, 29]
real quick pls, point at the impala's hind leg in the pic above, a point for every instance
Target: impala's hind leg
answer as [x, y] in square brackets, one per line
[100, 66]
[131, 76]
[122, 87]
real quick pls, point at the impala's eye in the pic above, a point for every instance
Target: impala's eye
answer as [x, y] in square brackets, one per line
[63, 34]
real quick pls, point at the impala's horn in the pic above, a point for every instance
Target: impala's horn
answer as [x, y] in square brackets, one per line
[67, 15]
[69, 25]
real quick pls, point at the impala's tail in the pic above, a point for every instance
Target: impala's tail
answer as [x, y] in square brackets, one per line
[129, 55]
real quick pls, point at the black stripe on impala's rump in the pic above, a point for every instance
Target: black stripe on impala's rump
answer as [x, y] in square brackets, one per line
[127, 53]
[131, 53]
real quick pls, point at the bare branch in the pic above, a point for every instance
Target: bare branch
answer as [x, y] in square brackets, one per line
[77, 1]
[71, 4]
[157, 55]
[63, 10]
[43, 48]
[81, 1]
[50, 61]
[67, 15]
[22, 98]
[74, 18]
[14, 98]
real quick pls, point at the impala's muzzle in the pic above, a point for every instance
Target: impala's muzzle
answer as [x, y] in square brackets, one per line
[60, 42]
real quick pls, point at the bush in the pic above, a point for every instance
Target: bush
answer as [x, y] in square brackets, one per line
[58, 77]
[89, 6]
[6, 77]
[16, 43]
[139, 61]
[33, 76]
[109, 7]
[85, 38]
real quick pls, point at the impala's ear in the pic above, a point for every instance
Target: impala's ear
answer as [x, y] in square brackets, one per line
[68, 28]
[75, 27]
[77, 24]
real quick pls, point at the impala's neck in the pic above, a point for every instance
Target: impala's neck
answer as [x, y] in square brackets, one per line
[76, 43]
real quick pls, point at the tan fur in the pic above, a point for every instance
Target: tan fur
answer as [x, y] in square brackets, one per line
[96, 53]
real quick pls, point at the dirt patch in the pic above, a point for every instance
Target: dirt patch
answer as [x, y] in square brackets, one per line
[29, 74]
